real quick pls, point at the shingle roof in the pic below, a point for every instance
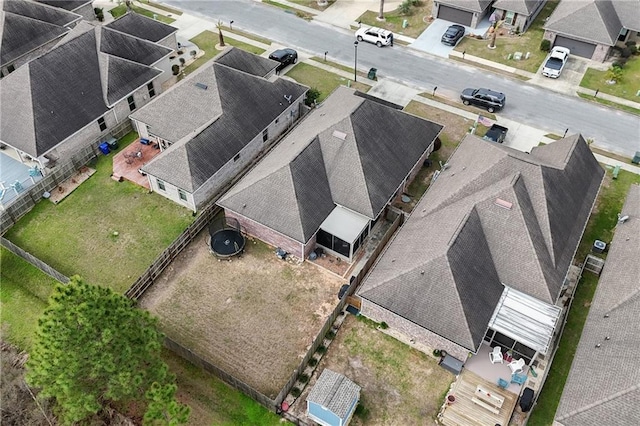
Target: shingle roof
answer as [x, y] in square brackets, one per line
[65, 89]
[366, 149]
[210, 126]
[458, 247]
[589, 20]
[472, 5]
[25, 26]
[521, 7]
[142, 27]
[65, 4]
[603, 386]
[334, 392]
[252, 64]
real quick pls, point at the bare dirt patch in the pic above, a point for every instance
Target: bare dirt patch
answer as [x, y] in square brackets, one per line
[400, 385]
[253, 316]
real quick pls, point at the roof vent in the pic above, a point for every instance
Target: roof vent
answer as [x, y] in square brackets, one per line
[340, 135]
[202, 86]
[504, 204]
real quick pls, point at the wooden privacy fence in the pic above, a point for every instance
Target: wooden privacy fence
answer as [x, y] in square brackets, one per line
[33, 260]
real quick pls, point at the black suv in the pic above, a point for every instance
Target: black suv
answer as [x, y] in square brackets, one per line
[453, 35]
[285, 57]
[484, 98]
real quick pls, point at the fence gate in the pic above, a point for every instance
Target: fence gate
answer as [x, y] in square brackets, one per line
[594, 264]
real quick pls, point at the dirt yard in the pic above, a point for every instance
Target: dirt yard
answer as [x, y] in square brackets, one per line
[400, 385]
[253, 316]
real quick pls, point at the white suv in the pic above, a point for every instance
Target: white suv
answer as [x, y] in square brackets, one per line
[378, 36]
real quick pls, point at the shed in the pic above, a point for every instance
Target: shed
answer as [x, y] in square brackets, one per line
[333, 399]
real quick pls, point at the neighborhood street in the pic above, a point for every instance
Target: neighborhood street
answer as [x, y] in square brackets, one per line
[610, 129]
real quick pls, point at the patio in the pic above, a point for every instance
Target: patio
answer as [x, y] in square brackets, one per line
[128, 162]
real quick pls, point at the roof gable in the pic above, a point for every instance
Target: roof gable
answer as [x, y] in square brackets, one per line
[124, 77]
[142, 27]
[589, 20]
[39, 12]
[522, 7]
[334, 392]
[472, 5]
[247, 62]
[133, 49]
[65, 4]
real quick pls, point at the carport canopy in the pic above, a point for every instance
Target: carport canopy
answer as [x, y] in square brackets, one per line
[344, 224]
[526, 319]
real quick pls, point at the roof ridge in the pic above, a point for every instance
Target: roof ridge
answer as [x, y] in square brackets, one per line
[600, 401]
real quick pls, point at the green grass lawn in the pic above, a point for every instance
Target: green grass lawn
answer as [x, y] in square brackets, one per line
[394, 19]
[118, 11]
[206, 41]
[244, 46]
[320, 79]
[76, 236]
[601, 226]
[615, 105]
[528, 41]
[165, 8]
[626, 88]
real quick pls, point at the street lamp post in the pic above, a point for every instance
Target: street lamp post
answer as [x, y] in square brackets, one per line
[355, 66]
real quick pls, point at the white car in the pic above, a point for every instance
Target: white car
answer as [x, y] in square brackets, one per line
[555, 62]
[378, 36]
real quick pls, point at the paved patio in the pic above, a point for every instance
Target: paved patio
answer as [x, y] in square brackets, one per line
[128, 161]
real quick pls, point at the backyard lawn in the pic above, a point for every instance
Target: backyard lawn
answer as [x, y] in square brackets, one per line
[416, 22]
[325, 81]
[626, 88]
[506, 44]
[78, 235]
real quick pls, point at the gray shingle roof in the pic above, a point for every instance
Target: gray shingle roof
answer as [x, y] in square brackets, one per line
[468, 246]
[334, 392]
[472, 5]
[57, 100]
[65, 4]
[603, 386]
[252, 64]
[367, 150]
[588, 20]
[211, 125]
[134, 49]
[142, 27]
[521, 7]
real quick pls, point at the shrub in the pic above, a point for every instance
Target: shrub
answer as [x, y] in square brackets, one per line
[296, 392]
[303, 378]
[626, 52]
[614, 74]
[384, 325]
[313, 362]
[362, 412]
[175, 69]
[330, 335]
[99, 13]
[620, 63]
[321, 349]
[405, 7]
[182, 61]
[193, 53]
[436, 353]
[545, 45]
[312, 96]
[632, 46]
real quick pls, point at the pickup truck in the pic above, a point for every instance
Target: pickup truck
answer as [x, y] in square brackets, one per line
[496, 133]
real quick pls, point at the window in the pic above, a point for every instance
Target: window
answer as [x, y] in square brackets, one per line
[132, 103]
[102, 124]
[510, 18]
[11, 68]
[152, 91]
[277, 119]
[236, 158]
[182, 195]
[161, 184]
[265, 135]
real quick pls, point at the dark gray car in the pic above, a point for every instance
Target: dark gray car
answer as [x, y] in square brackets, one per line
[453, 35]
[485, 98]
[285, 57]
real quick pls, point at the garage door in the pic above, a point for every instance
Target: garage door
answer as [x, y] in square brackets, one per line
[455, 15]
[578, 48]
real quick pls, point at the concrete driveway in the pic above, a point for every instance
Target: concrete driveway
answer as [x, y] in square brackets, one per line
[569, 79]
[429, 40]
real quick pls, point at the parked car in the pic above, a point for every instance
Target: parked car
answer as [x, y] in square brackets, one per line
[496, 133]
[485, 98]
[555, 62]
[378, 36]
[453, 35]
[285, 57]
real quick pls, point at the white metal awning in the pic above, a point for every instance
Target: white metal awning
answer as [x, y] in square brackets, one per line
[344, 224]
[525, 319]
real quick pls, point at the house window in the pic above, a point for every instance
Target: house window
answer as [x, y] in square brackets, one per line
[11, 68]
[265, 135]
[152, 91]
[182, 195]
[161, 185]
[132, 103]
[623, 34]
[236, 158]
[277, 120]
[102, 124]
[509, 18]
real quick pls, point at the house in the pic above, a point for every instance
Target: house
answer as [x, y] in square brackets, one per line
[484, 255]
[590, 28]
[81, 7]
[74, 95]
[464, 12]
[331, 178]
[29, 29]
[602, 387]
[518, 14]
[214, 123]
[140, 26]
[333, 399]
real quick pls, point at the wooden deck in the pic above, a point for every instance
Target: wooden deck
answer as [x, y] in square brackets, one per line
[464, 412]
[128, 161]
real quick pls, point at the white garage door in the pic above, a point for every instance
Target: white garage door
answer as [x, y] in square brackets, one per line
[578, 48]
[455, 15]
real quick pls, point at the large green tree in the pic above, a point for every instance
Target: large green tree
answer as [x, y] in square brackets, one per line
[94, 347]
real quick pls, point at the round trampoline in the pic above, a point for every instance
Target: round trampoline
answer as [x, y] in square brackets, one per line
[226, 237]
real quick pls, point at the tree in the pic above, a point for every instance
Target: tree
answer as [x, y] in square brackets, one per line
[93, 347]
[381, 14]
[220, 36]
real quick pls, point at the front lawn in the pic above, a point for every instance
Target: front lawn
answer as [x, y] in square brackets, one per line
[206, 41]
[416, 19]
[626, 88]
[77, 236]
[118, 11]
[325, 81]
[506, 44]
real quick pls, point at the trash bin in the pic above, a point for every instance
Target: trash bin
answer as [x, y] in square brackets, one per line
[372, 74]
[113, 143]
[104, 148]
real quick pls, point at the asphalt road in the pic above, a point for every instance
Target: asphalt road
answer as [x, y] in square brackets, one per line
[533, 105]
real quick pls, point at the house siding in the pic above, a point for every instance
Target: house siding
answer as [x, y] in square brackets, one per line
[171, 192]
[170, 41]
[523, 21]
[412, 332]
[164, 65]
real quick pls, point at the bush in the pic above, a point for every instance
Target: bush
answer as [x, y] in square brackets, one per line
[620, 63]
[632, 46]
[436, 353]
[545, 45]
[330, 335]
[175, 69]
[626, 52]
[303, 378]
[614, 74]
[193, 53]
[362, 412]
[313, 362]
[384, 325]
[296, 392]
[99, 13]
[405, 7]
[312, 96]
[321, 349]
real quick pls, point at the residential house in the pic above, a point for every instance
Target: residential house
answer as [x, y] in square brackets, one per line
[518, 14]
[331, 178]
[602, 387]
[333, 399]
[484, 255]
[214, 123]
[590, 28]
[140, 26]
[465, 12]
[29, 29]
[81, 7]
[72, 96]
